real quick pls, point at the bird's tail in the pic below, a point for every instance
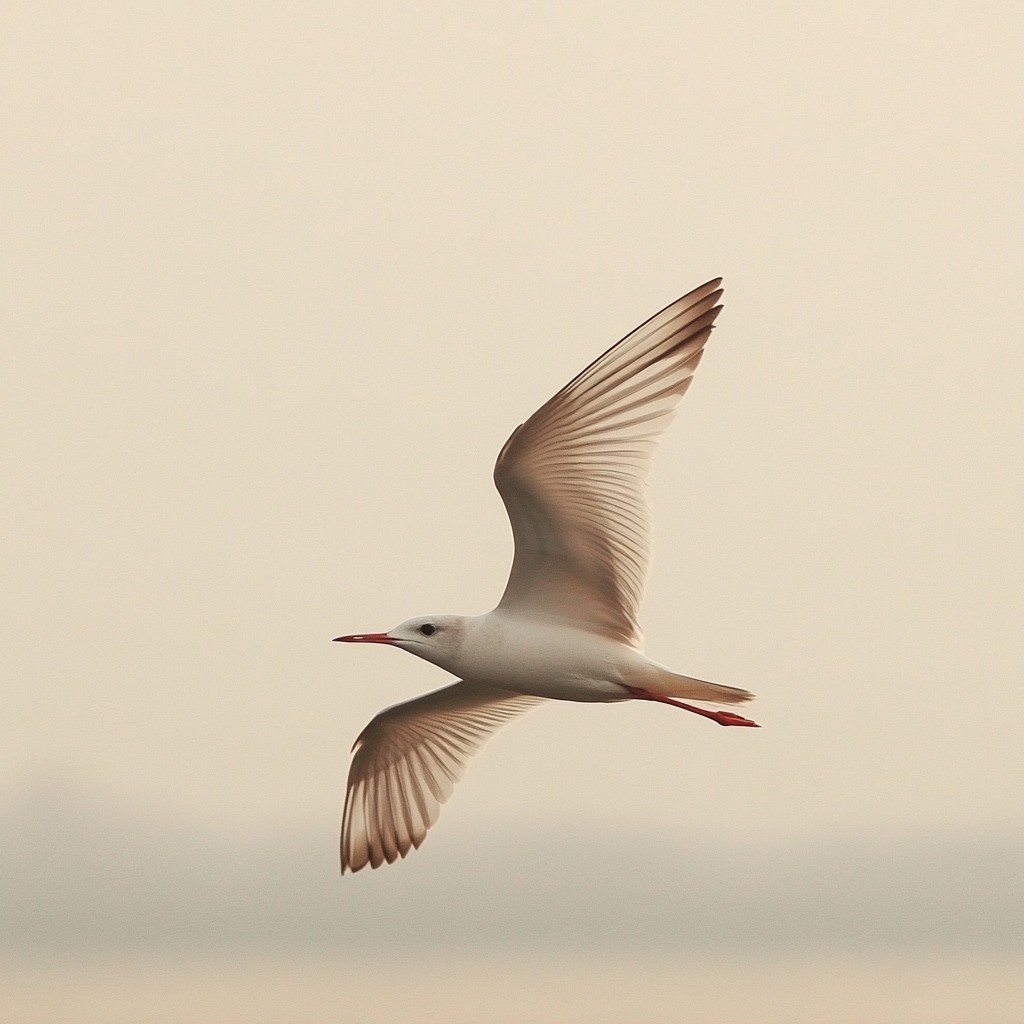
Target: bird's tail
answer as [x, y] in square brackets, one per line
[670, 684]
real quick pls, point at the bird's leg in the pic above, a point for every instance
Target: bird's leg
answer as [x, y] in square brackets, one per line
[721, 717]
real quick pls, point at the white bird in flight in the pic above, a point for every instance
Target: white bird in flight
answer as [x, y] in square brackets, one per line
[573, 479]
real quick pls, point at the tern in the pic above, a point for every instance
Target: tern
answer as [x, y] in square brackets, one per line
[573, 479]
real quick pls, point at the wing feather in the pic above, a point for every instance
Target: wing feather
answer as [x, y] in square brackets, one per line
[573, 476]
[406, 764]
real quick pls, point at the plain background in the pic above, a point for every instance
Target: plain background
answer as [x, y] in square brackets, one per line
[278, 282]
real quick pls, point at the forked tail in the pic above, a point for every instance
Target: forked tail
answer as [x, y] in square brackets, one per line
[670, 684]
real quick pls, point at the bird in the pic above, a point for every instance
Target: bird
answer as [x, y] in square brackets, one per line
[573, 479]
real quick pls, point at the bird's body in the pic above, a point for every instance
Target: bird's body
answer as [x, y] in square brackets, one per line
[513, 652]
[572, 478]
[544, 659]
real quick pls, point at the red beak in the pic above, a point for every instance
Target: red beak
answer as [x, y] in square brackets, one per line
[366, 638]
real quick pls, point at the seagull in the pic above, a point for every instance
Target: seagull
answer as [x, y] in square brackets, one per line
[573, 479]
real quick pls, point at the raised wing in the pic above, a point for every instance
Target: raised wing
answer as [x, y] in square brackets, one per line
[406, 764]
[573, 476]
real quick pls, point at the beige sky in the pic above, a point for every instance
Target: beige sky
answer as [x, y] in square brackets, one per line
[280, 281]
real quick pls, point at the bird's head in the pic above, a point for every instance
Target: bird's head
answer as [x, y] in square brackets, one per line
[435, 638]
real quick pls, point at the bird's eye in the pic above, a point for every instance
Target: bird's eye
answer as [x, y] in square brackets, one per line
[428, 629]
